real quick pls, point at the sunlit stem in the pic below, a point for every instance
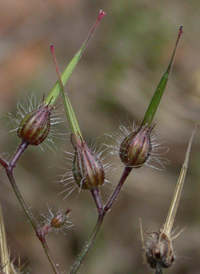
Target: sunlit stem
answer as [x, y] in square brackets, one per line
[148, 118]
[178, 190]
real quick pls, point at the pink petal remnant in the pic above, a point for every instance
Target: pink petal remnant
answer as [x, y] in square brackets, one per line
[52, 49]
[101, 14]
[179, 35]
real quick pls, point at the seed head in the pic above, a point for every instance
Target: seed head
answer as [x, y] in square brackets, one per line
[159, 251]
[87, 169]
[35, 126]
[136, 147]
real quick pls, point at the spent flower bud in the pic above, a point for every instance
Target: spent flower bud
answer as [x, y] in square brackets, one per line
[87, 168]
[35, 126]
[56, 222]
[59, 219]
[136, 147]
[159, 251]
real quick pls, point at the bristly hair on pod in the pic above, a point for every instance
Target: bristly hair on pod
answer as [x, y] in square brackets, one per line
[138, 146]
[56, 222]
[27, 108]
[68, 178]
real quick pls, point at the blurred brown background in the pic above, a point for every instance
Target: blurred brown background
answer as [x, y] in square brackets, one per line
[112, 84]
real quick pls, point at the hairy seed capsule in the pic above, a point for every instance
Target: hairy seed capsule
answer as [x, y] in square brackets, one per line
[59, 219]
[136, 147]
[87, 169]
[35, 126]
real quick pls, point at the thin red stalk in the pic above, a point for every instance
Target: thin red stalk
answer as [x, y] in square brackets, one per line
[57, 68]
[124, 176]
[101, 15]
[41, 237]
[3, 163]
[96, 195]
[22, 147]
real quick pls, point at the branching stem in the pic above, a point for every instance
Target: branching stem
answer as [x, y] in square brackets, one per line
[9, 171]
[102, 210]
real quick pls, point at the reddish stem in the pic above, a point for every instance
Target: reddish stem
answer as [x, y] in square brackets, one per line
[97, 199]
[124, 176]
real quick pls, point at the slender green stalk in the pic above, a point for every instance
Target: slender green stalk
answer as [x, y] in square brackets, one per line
[88, 244]
[73, 123]
[9, 171]
[54, 93]
[148, 118]
[42, 239]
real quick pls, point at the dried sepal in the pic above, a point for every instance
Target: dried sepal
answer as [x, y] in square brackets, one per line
[87, 168]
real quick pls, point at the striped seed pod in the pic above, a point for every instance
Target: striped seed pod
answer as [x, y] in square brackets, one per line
[136, 147]
[87, 168]
[35, 126]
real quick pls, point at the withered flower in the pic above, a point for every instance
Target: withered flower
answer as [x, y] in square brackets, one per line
[159, 251]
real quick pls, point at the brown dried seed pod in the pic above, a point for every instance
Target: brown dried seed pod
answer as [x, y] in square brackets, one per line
[159, 251]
